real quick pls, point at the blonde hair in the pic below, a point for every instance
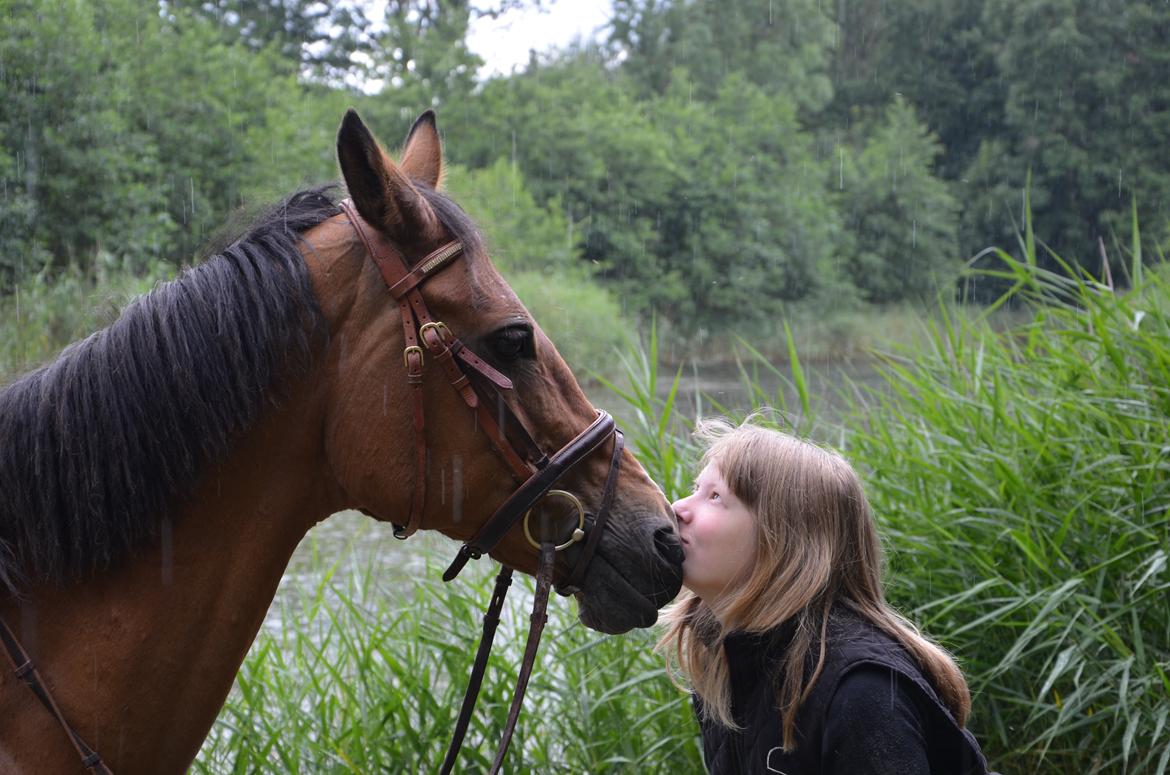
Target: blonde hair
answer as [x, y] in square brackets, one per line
[816, 546]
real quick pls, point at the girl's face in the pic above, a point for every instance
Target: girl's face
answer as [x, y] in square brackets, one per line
[718, 535]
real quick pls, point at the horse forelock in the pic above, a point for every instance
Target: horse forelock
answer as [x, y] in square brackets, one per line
[463, 230]
[102, 444]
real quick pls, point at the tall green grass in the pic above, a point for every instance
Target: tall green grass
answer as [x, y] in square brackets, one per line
[1021, 479]
[45, 313]
[362, 669]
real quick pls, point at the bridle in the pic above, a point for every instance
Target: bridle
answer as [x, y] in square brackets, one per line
[537, 472]
[474, 380]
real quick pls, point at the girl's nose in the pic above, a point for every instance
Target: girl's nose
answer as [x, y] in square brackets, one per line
[681, 513]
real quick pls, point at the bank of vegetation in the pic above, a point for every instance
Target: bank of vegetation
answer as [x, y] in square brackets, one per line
[756, 171]
[1020, 477]
[716, 165]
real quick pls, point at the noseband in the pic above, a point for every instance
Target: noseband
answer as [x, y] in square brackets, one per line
[535, 471]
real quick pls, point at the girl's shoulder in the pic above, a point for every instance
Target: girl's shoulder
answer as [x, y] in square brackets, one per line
[874, 668]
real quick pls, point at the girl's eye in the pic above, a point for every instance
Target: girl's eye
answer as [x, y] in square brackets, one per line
[715, 496]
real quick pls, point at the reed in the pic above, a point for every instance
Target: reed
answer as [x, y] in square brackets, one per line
[1020, 480]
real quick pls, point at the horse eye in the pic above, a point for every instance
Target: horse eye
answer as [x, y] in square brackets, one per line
[513, 343]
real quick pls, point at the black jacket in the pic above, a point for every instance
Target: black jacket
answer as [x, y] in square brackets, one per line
[871, 711]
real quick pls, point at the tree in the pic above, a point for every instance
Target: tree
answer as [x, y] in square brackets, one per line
[749, 226]
[312, 37]
[900, 217]
[708, 213]
[1087, 112]
[76, 191]
[422, 59]
[126, 137]
[781, 48]
[578, 136]
[937, 54]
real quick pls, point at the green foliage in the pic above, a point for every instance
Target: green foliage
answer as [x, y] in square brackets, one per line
[749, 225]
[1021, 479]
[372, 678]
[900, 218]
[781, 48]
[940, 56]
[608, 166]
[314, 36]
[65, 136]
[44, 313]
[126, 137]
[229, 124]
[522, 235]
[706, 212]
[1104, 118]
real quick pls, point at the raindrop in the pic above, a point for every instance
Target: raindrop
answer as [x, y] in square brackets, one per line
[457, 489]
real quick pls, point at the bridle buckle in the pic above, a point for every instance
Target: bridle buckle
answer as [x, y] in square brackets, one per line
[439, 328]
[412, 350]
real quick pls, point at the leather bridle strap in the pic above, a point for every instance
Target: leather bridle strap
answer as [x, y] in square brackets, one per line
[491, 618]
[572, 584]
[26, 671]
[518, 504]
[539, 618]
[421, 330]
[476, 382]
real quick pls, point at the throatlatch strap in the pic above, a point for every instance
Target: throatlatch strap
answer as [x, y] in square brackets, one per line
[403, 283]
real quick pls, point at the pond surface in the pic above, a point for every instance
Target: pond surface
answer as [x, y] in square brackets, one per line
[716, 387]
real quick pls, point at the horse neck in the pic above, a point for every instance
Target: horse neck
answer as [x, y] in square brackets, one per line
[141, 658]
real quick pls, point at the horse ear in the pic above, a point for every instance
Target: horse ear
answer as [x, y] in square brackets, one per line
[380, 191]
[422, 155]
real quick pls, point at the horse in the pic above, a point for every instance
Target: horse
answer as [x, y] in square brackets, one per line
[156, 477]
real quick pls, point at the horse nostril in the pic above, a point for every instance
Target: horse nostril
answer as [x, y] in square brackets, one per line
[668, 546]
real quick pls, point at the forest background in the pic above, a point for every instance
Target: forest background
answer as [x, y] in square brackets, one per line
[707, 171]
[718, 165]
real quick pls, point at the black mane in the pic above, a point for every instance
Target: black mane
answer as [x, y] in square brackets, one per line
[100, 445]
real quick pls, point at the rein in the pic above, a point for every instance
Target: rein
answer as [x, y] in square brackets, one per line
[24, 669]
[535, 472]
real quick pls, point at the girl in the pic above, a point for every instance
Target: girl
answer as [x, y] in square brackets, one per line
[797, 663]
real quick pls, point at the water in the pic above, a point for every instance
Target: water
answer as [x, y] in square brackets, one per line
[335, 553]
[717, 388]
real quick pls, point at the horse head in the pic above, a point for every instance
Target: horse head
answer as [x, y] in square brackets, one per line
[400, 422]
